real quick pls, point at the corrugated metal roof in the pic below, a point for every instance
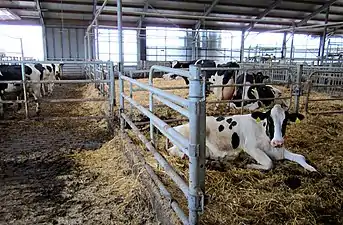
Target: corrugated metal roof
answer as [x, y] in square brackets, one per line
[272, 14]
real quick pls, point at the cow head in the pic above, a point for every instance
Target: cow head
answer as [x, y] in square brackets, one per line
[275, 122]
[58, 70]
[259, 77]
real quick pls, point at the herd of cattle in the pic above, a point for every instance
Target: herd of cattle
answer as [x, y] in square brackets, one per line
[259, 134]
[33, 72]
[230, 77]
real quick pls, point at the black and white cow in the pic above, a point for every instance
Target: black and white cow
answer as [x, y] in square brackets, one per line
[250, 94]
[50, 74]
[13, 72]
[260, 134]
[205, 63]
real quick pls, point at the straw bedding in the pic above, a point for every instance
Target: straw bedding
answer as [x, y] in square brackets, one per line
[285, 195]
[67, 171]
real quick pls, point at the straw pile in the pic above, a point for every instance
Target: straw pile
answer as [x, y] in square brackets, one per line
[285, 195]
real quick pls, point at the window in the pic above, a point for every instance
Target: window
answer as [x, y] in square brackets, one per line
[32, 41]
[108, 46]
[166, 44]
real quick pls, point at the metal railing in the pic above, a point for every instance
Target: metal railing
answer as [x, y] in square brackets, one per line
[324, 81]
[109, 96]
[194, 147]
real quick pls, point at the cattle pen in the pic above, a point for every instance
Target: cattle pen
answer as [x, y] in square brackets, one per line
[124, 74]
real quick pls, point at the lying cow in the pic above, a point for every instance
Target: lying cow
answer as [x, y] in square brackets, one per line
[13, 72]
[260, 134]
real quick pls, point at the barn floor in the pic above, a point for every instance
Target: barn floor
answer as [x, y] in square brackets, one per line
[67, 172]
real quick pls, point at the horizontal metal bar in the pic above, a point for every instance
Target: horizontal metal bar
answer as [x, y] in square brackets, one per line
[167, 121]
[248, 85]
[53, 61]
[240, 100]
[55, 81]
[328, 85]
[326, 112]
[56, 118]
[173, 106]
[325, 99]
[44, 100]
[139, 71]
[175, 137]
[165, 69]
[166, 95]
[159, 158]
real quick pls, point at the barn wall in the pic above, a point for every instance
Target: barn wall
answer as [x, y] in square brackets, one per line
[68, 44]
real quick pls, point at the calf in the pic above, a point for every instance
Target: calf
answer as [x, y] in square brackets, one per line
[259, 134]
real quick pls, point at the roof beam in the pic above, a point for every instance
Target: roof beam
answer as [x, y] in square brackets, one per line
[313, 14]
[263, 14]
[208, 11]
[41, 18]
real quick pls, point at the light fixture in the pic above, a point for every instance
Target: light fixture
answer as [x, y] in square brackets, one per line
[6, 14]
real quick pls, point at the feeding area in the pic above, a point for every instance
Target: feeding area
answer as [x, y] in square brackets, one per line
[171, 112]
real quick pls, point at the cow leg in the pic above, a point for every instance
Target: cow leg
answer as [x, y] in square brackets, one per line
[37, 95]
[300, 159]
[43, 89]
[265, 163]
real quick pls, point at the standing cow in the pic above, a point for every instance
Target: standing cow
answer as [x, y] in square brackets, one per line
[13, 72]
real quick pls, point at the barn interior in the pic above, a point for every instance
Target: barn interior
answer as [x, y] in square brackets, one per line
[96, 153]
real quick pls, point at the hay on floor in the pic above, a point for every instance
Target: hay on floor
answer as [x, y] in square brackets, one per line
[286, 194]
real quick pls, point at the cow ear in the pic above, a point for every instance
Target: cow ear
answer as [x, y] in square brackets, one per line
[259, 115]
[265, 77]
[295, 117]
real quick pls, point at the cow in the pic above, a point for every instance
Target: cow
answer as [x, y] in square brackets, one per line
[205, 63]
[253, 92]
[51, 75]
[259, 134]
[13, 72]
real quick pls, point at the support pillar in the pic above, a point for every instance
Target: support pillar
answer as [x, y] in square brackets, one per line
[241, 56]
[284, 44]
[323, 39]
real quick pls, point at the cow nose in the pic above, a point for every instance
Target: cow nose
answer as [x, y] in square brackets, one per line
[277, 143]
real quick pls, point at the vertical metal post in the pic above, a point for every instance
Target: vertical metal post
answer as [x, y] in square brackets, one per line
[112, 87]
[292, 46]
[244, 88]
[85, 46]
[241, 56]
[44, 42]
[131, 95]
[297, 89]
[24, 79]
[284, 46]
[322, 47]
[89, 47]
[97, 39]
[197, 121]
[121, 59]
[231, 46]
